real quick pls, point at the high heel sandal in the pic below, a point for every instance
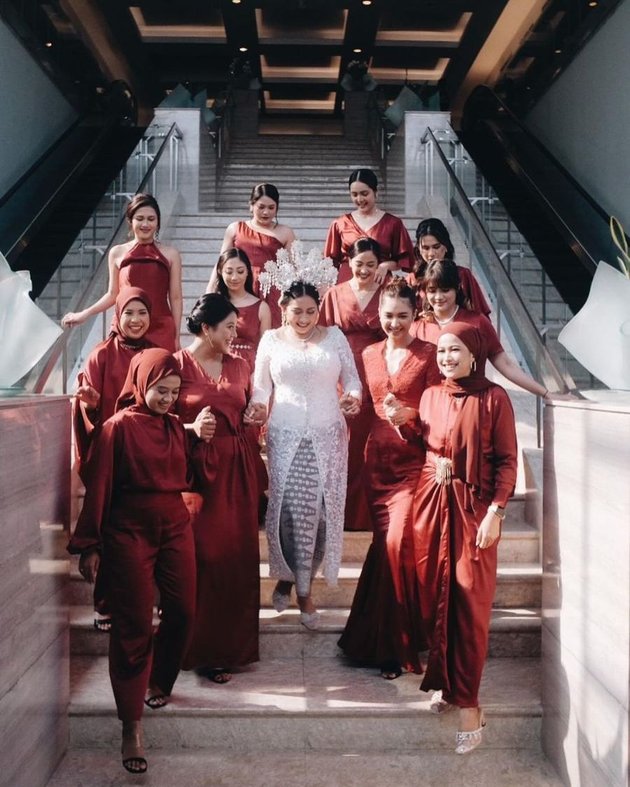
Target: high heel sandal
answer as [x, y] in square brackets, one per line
[280, 600]
[467, 741]
[310, 620]
[132, 750]
[438, 704]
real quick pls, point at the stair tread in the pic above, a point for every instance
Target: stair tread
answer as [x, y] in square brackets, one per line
[310, 686]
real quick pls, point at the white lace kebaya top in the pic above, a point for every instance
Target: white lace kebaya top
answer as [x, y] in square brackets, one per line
[304, 382]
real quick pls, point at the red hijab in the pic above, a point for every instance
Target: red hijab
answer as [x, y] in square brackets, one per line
[125, 296]
[466, 446]
[145, 370]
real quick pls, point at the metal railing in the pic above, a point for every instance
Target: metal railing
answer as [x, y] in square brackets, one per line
[82, 277]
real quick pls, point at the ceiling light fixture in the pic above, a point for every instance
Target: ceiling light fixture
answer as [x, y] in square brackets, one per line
[49, 44]
[557, 51]
[593, 4]
[357, 51]
[242, 49]
[236, 2]
[366, 2]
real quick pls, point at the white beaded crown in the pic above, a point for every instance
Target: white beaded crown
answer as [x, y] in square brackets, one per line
[291, 265]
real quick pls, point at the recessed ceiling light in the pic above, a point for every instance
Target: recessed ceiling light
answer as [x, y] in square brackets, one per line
[236, 2]
[48, 44]
[557, 51]
[242, 49]
[366, 2]
[357, 51]
[593, 4]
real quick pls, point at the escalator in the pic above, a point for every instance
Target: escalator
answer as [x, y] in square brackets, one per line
[565, 228]
[42, 214]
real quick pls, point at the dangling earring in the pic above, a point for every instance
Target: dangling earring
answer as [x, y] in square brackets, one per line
[473, 365]
[157, 235]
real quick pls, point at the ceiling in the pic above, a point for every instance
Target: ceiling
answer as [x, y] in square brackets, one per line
[299, 49]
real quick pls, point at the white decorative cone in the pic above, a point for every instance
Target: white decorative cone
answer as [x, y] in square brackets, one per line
[599, 334]
[26, 333]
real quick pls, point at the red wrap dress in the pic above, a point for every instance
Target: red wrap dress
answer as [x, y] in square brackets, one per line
[146, 267]
[361, 328]
[456, 579]
[389, 232]
[134, 513]
[259, 248]
[224, 517]
[383, 628]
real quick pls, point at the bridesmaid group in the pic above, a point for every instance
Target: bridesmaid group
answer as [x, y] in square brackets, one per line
[371, 402]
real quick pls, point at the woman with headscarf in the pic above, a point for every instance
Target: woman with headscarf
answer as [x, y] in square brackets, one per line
[135, 516]
[467, 427]
[98, 385]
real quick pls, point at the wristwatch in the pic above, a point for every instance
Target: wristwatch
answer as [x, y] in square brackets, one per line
[496, 509]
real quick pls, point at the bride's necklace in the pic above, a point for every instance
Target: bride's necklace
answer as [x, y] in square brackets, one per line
[304, 340]
[448, 319]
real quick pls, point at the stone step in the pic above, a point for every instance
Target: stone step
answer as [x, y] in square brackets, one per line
[514, 633]
[205, 768]
[518, 586]
[312, 703]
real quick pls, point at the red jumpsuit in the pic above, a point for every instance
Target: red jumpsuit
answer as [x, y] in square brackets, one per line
[382, 628]
[134, 513]
[224, 517]
[361, 328]
[389, 232]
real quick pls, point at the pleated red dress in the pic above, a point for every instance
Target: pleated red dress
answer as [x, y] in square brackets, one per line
[383, 626]
[361, 328]
[224, 517]
[134, 513]
[146, 267]
[389, 232]
[456, 579]
[259, 248]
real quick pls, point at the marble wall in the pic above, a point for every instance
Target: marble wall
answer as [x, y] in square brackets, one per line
[34, 660]
[586, 590]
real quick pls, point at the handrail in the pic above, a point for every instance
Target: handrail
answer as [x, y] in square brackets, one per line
[589, 239]
[59, 349]
[535, 353]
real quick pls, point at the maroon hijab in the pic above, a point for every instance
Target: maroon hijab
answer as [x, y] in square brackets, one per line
[145, 370]
[466, 445]
[125, 296]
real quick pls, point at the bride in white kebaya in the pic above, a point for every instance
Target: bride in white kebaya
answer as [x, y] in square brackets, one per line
[299, 368]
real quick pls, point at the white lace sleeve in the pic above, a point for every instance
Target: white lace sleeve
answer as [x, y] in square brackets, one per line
[263, 384]
[349, 376]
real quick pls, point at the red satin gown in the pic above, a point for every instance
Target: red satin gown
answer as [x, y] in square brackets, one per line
[361, 328]
[427, 329]
[224, 517]
[456, 580]
[383, 626]
[134, 511]
[146, 267]
[247, 334]
[260, 248]
[389, 232]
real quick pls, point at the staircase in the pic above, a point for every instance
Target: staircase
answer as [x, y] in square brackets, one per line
[304, 715]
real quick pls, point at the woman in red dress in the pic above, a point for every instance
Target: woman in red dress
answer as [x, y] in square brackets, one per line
[353, 307]
[142, 263]
[433, 242]
[224, 506]
[382, 629]
[99, 385]
[443, 303]
[467, 426]
[235, 281]
[134, 514]
[368, 220]
[260, 238]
